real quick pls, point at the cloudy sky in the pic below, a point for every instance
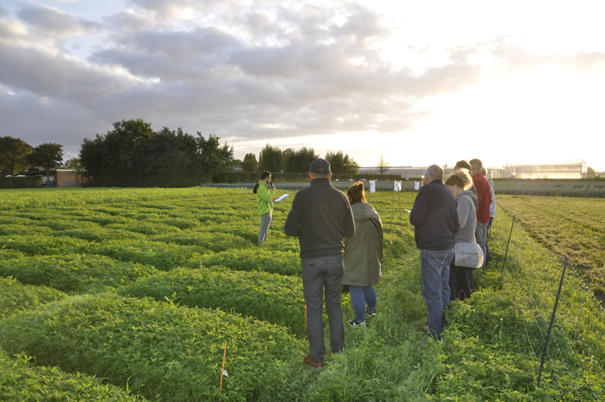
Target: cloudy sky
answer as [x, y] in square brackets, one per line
[419, 81]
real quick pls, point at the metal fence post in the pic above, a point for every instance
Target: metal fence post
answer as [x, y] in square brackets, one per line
[508, 244]
[552, 320]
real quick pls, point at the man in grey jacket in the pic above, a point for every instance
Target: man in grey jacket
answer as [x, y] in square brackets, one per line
[321, 217]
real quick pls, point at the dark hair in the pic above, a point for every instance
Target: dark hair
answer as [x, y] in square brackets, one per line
[463, 165]
[356, 192]
[265, 174]
[476, 163]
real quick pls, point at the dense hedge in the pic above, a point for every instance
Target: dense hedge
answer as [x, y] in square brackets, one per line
[276, 262]
[20, 381]
[254, 177]
[269, 297]
[21, 182]
[74, 272]
[15, 296]
[163, 351]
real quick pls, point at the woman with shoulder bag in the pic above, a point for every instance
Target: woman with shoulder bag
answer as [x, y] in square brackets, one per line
[468, 253]
[363, 255]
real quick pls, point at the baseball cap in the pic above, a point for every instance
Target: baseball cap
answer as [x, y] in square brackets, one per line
[320, 166]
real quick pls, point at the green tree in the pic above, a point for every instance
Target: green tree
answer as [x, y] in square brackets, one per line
[13, 155]
[271, 159]
[48, 156]
[300, 161]
[250, 163]
[132, 154]
[341, 163]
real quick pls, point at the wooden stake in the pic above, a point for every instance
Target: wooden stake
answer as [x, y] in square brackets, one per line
[223, 369]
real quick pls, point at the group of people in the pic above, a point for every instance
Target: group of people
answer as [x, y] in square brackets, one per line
[341, 243]
[448, 214]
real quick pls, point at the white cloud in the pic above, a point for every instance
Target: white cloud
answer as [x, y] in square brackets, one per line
[260, 70]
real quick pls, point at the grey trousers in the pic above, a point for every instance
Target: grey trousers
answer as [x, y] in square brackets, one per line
[265, 220]
[481, 234]
[317, 274]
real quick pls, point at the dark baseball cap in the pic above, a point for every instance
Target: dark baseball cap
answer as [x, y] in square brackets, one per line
[320, 166]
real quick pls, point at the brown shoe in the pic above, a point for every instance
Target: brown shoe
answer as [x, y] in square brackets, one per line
[312, 363]
[425, 328]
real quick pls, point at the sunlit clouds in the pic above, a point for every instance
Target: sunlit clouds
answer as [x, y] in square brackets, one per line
[410, 80]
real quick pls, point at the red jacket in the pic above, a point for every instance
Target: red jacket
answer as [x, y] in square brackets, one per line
[485, 197]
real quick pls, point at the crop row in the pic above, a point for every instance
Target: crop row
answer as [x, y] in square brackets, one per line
[567, 188]
[159, 349]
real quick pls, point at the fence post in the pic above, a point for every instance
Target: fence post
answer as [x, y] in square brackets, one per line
[508, 244]
[552, 320]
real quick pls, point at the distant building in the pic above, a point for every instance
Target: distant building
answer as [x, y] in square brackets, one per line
[410, 172]
[69, 178]
[571, 169]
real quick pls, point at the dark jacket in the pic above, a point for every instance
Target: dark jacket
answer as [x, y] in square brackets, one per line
[435, 217]
[321, 217]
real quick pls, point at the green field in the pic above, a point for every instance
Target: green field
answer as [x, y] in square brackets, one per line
[141, 288]
[566, 226]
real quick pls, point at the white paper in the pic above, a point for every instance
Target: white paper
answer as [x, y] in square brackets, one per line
[281, 197]
[416, 185]
[408, 210]
[225, 373]
[380, 270]
[372, 186]
[396, 186]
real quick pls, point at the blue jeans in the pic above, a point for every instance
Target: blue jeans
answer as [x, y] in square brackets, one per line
[435, 275]
[360, 295]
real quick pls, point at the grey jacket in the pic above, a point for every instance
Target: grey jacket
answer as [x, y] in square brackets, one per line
[467, 218]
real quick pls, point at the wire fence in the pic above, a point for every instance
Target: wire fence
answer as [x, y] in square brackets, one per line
[560, 330]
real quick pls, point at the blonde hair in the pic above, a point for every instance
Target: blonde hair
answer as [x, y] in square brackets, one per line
[356, 192]
[461, 178]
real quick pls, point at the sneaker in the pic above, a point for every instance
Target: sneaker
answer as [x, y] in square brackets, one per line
[355, 323]
[312, 363]
[371, 314]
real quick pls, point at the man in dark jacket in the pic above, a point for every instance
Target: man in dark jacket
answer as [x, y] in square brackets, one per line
[435, 218]
[321, 217]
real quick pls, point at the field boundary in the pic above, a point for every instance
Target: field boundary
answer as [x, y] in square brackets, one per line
[562, 328]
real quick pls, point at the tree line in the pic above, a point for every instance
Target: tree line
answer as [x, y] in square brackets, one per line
[291, 161]
[17, 155]
[133, 155]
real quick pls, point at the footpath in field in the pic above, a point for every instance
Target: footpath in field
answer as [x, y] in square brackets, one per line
[142, 288]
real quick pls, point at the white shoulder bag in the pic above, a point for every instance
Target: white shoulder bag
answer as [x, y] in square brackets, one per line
[468, 255]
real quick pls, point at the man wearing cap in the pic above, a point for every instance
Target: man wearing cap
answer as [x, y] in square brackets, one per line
[321, 217]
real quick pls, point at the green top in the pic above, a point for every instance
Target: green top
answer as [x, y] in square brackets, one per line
[264, 198]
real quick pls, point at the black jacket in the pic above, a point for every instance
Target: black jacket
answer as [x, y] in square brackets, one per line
[435, 217]
[321, 217]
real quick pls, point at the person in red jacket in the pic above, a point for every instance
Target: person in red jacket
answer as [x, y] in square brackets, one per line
[484, 193]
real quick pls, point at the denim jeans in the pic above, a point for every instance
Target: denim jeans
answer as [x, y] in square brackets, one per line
[265, 220]
[317, 274]
[435, 275]
[360, 295]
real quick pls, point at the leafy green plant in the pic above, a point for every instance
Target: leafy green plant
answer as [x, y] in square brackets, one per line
[274, 298]
[21, 381]
[163, 351]
[276, 262]
[15, 296]
[74, 272]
